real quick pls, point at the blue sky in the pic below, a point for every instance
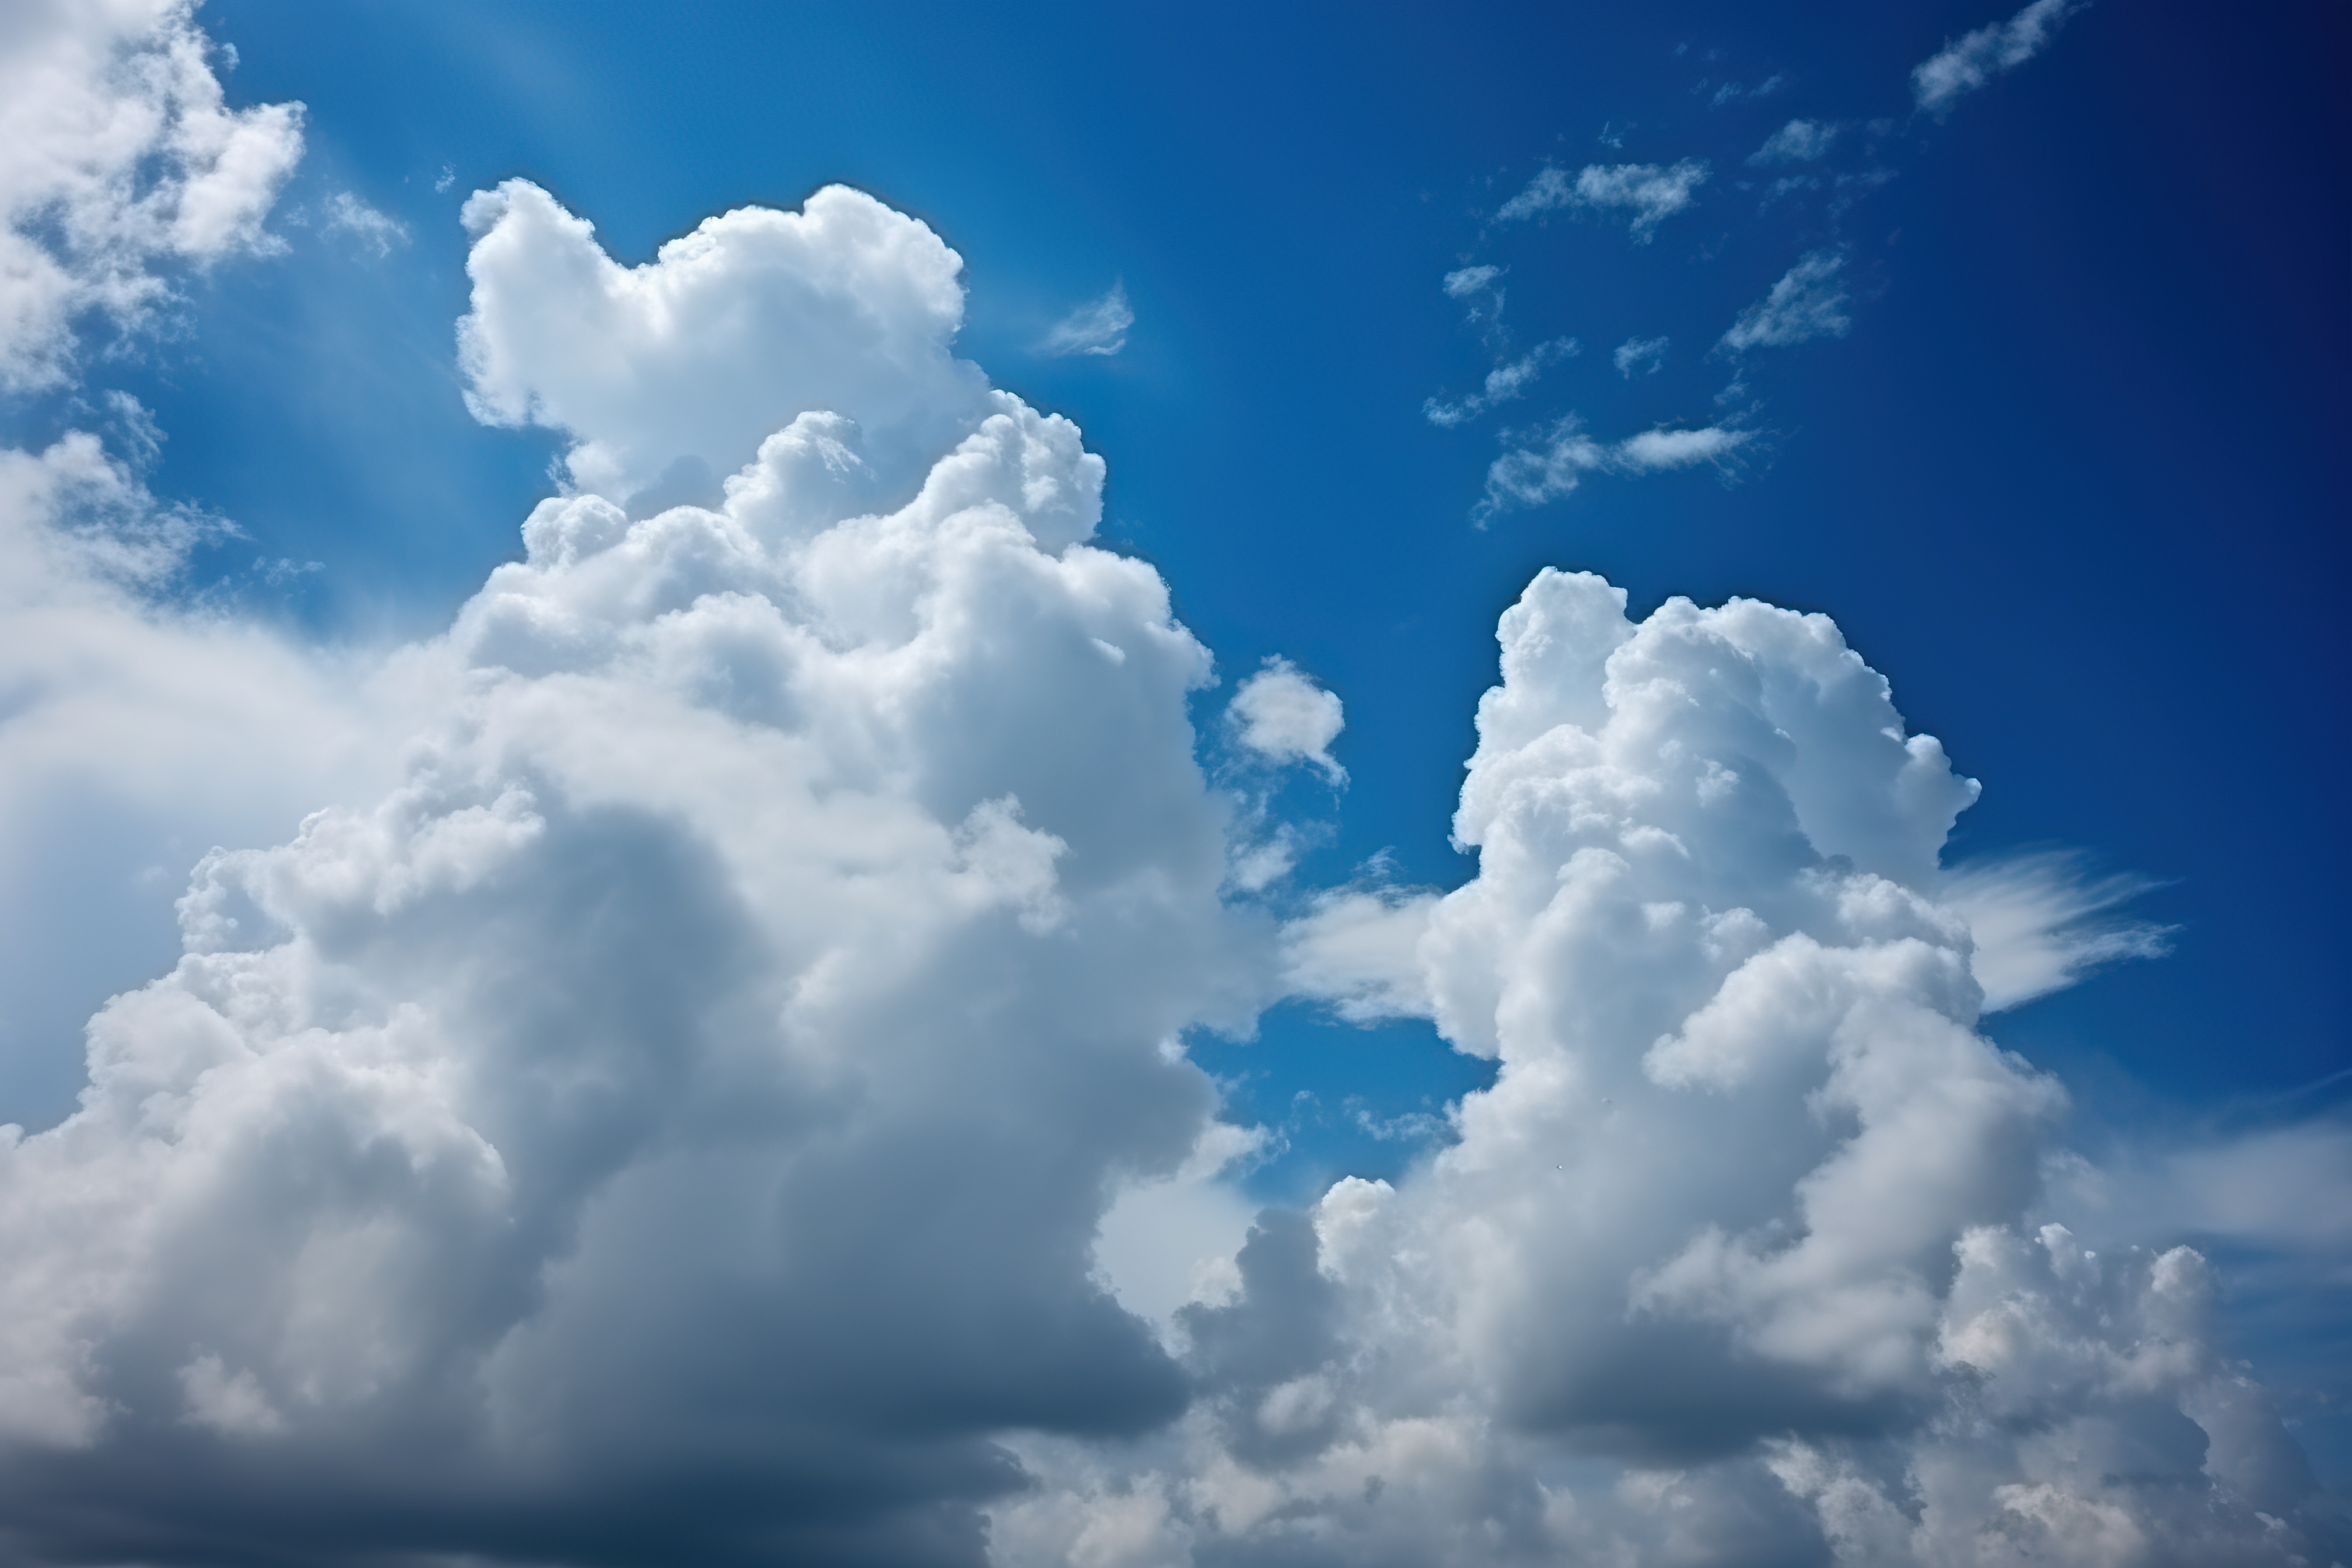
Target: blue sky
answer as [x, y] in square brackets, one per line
[2060, 455]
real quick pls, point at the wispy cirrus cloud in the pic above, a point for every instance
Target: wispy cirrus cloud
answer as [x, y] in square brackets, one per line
[1733, 92]
[1798, 142]
[1808, 302]
[1550, 463]
[1648, 194]
[1505, 382]
[1098, 327]
[1639, 356]
[1971, 60]
[377, 231]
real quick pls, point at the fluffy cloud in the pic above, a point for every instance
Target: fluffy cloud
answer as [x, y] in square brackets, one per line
[706, 1079]
[1798, 141]
[1284, 717]
[712, 1056]
[117, 153]
[141, 732]
[669, 375]
[1098, 327]
[1970, 61]
[1554, 460]
[1740, 1260]
[1809, 301]
[1648, 194]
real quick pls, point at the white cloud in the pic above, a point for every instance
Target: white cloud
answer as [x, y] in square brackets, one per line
[1798, 141]
[141, 734]
[2040, 923]
[1732, 92]
[723, 1013]
[1098, 327]
[1639, 356]
[1737, 1259]
[1968, 63]
[1809, 301]
[1652, 450]
[1283, 717]
[1508, 381]
[1649, 193]
[117, 155]
[846, 306]
[1465, 281]
[771, 936]
[1357, 948]
[379, 232]
[1551, 463]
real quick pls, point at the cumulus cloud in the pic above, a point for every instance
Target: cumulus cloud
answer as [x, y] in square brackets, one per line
[1648, 194]
[1970, 61]
[706, 1079]
[379, 232]
[1098, 327]
[1282, 715]
[714, 1047]
[1798, 141]
[1549, 464]
[119, 156]
[668, 375]
[1505, 382]
[1739, 1258]
[1809, 301]
[1639, 356]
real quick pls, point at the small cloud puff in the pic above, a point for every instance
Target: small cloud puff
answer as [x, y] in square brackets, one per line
[1798, 141]
[1650, 193]
[1809, 301]
[1733, 92]
[377, 231]
[1284, 717]
[1098, 327]
[1556, 460]
[1505, 382]
[1966, 64]
[1639, 356]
